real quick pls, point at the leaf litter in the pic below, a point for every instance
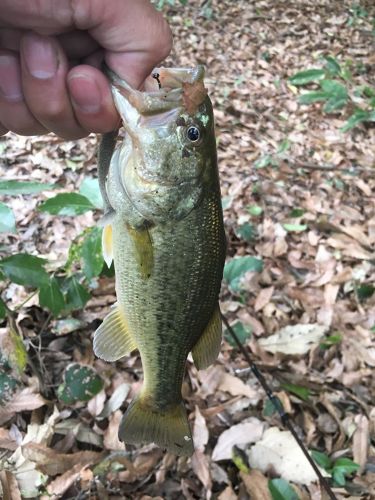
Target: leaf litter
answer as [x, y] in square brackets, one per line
[298, 198]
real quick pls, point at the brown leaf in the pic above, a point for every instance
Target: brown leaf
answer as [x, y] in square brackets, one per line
[227, 494]
[256, 485]
[263, 298]
[361, 439]
[236, 387]
[62, 483]
[25, 400]
[9, 486]
[111, 440]
[201, 466]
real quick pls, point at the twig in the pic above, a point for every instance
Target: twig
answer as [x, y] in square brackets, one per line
[279, 408]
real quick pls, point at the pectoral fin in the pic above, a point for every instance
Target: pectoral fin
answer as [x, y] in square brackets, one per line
[144, 251]
[107, 244]
[207, 349]
[112, 340]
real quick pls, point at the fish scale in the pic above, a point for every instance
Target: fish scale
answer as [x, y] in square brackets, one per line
[166, 236]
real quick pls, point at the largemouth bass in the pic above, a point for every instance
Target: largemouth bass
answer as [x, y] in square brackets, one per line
[164, 230]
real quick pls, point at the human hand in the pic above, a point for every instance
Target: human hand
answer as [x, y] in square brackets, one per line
[50, 55]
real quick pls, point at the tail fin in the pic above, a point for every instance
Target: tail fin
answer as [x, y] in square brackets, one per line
[170, 429]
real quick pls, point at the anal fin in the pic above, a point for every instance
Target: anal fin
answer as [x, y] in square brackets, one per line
[207, 349]
[112, 340]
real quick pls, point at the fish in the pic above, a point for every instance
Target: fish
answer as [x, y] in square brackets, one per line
[164, 231]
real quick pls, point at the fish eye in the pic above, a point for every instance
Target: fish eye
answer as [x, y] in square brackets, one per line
[193, 133]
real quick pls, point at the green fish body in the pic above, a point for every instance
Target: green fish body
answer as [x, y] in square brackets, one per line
[166, 236]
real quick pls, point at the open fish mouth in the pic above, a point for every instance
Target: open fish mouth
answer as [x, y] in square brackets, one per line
[166, 89]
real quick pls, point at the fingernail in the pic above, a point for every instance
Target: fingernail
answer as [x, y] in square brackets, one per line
[85, 94]
[10, 78]
[39, 55]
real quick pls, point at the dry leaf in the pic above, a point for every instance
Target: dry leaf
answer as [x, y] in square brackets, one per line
[9, 486]
[237, 435]
[296, 339]
[111, 440]
[200, 431]
[263, 298]
[24, 400]
[227, 494]
[256, 485]
[236, 387]
[278, 451]
[96, 404]
[201, 466]
[361, 439]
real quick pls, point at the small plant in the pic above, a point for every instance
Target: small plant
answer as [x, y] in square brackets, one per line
[339, 469]
[336, 91]
[81, 383]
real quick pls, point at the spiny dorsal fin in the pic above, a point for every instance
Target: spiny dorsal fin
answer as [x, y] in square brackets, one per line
[112, 340]
[207, 349]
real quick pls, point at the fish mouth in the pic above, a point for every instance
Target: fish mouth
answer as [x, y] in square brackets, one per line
[166, 89]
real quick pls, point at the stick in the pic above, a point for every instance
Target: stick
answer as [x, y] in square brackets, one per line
[279, 408]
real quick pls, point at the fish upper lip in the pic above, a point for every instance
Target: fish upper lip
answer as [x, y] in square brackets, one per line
[154, 100]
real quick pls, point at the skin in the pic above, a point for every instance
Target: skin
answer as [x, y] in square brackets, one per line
[50, 52]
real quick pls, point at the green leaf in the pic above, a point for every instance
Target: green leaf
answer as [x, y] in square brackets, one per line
[269, 408]
[301, 392]
[332, 65]
[7, 220]
[255, 210]
[25, 269]
[295, 228]
[3, 310]
[359, 116]
[243, 333]
[24, 187]
[91, 252]
[334, 104]
[338, 477]
[311, 97]
[77, 295]
[331, 340]
[237, 267]
[338, 95]
[263, 161]
[365, 291]
[81, 383]
[283, 146]
[281, 490]
[67, 204]
[90, 189]
[246, 232]
[297, 212]
[8, 385]
[239, 458]
[51, 297]
[307, 76]
[321, 459]
[346, 465]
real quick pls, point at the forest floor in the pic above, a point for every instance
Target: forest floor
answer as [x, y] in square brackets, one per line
[299, 195]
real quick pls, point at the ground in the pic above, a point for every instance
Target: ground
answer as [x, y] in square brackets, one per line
[298, 194]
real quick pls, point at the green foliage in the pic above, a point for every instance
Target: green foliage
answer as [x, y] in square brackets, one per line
[331, 340]
[295, 228]
[243, 333]
[365, 291]
[302, 392]
[335, 90]
[66, 204]
[246, 232]
[81, 383]
[280, 489]
[8, 385]
[24, 187]
[25, 269]
[161, 3]
[7, 220]
[67, 287]
[235, 269]
[339, 469]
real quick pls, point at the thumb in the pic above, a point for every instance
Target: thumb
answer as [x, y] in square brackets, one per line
[134, 35]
